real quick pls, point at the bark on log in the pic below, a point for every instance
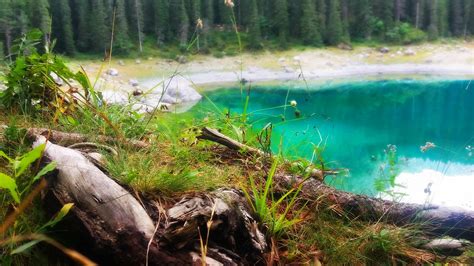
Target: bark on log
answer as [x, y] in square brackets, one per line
[67, 139]
[120, 229]
[216, 136]
[119, 226]
[232, 226]
[455, 222]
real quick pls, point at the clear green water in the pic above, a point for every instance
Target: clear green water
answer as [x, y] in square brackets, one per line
[358, 120]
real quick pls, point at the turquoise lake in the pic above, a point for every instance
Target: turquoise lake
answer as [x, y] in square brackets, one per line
[357, 120]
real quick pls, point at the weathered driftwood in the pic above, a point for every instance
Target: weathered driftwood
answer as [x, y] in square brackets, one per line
[113, 219]
[455, 222]
[67, 139]
[232, 229]
[120, 231]
[216, 136]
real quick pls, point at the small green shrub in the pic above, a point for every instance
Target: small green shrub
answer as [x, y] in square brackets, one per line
[31, 82]
[406, 34]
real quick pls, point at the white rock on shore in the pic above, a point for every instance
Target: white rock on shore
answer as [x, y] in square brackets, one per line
[112, 72]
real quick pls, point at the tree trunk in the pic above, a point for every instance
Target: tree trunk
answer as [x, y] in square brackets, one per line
[8, 42]
[398, 10]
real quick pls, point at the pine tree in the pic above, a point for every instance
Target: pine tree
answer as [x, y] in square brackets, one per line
[6, 27]
[98, 34]
[470, 26]
[456, 17]
[281, 21]
[443, 22]
[194, 11]
[135, 21]
[179, 21]
[383, 9]
[81, 29]
[309, 24]
[40, 18]
[321, 16]
[334, 24]
[207, 11]
[345, 21]
[433, 32]
[148, 16]
[362, 25]
[121, 42]
[254, 26]
[161, 8]
[62, 26]
[468, 6]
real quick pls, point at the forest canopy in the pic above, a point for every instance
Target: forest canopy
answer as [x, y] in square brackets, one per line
[85, 26]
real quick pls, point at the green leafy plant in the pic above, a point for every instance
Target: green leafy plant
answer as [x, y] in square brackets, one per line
[34, 80]
[19, 165]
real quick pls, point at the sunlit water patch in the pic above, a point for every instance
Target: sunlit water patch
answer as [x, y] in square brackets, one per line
[405, 139]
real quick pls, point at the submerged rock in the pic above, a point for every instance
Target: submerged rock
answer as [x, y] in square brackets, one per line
[180, 94]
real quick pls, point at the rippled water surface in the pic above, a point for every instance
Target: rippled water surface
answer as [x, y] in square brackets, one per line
[356, 121]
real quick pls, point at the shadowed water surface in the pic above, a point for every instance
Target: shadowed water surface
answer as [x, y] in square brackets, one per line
[356, 121]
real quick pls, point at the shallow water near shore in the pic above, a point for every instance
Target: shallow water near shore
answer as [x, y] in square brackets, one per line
[375, 129]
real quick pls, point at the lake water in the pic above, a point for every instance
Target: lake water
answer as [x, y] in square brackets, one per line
[375, 129]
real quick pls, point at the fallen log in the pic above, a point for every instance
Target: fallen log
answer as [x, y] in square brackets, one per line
[455, 222]
[67, 139]
[215, 136]
[120, 231]
[113, 219]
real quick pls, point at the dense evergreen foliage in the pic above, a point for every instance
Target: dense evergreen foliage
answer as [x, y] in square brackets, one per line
[86, 25]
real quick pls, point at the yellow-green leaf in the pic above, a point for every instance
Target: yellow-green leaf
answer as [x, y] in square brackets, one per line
[48, 168]
[26, 160]
[9, 183]
[59, 216]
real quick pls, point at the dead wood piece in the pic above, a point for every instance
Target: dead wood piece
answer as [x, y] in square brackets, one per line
[118, 229]
[92, 146]
[232, 228]
[67, 139]
[116, 223]
[455, 222]
[216, 136]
